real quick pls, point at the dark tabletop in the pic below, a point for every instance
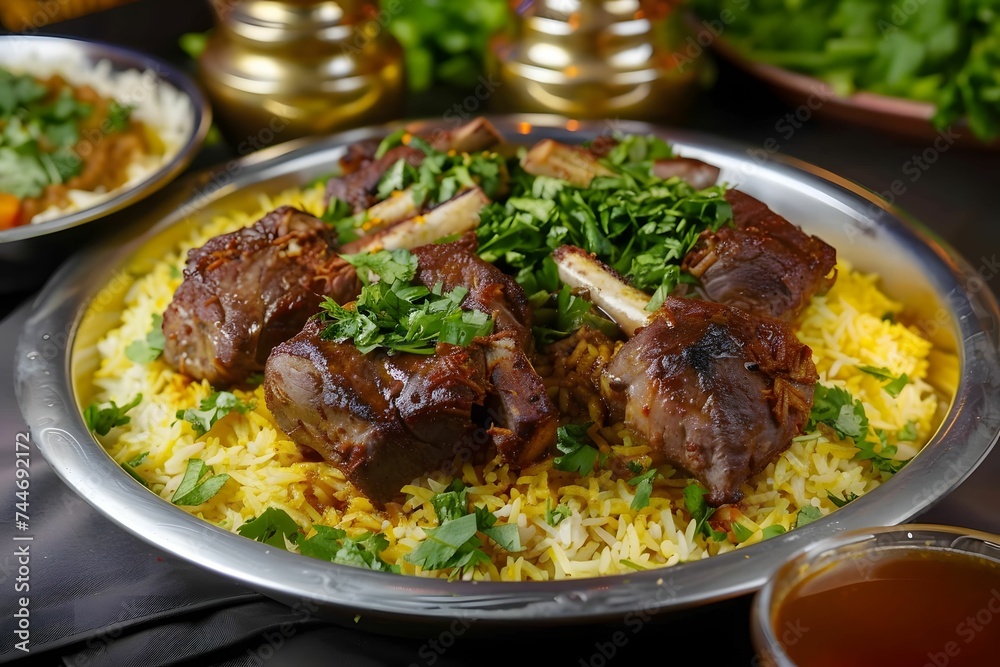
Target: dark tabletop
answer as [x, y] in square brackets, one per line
[105, 597]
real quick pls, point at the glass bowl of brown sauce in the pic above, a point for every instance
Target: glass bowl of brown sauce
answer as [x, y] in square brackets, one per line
[920, 595]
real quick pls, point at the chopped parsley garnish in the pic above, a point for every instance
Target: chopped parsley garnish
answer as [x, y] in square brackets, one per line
[143, 351]
[454, 544]
[577, 454]
[334, 545]
[119, 115]
[398, 316]
[555, 515]
[845, 414]
[639, 149]
[438, 178]
[102, 420]
[697, 507]
[836, 408]
[212, 409]
[840, 502]
[881, 460]
[640, 225]
[643, 488]
[198, 485]
[130, 465]
[894, 384]
[37, 136]
[741, 532]
[772, 531]
[807, 515]
[273, 527]
[255, 379]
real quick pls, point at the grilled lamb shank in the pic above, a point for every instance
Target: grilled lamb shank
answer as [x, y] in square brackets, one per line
[385, 419]
[712, 389]
[763, 264]
[246, 291]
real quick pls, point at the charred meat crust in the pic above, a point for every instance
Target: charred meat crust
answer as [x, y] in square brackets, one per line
[382, 420]
[713, 390]
[763, 264]
[246, 291]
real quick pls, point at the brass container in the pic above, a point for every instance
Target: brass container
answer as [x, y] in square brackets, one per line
[32, 15]
[594, 59]
[281, 69]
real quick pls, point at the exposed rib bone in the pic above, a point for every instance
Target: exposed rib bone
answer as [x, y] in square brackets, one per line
[602, 286]
[570, 163]
[699, 175]
[388, 212]
[457, 215]
[476, 135]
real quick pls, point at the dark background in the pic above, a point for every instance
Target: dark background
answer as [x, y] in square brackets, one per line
[104, 576]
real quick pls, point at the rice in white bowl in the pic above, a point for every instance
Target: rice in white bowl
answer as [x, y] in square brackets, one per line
[167, 111]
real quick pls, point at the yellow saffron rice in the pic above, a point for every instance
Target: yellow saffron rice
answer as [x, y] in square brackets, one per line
[845, 328]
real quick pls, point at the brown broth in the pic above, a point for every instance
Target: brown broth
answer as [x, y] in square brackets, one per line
[906, 607]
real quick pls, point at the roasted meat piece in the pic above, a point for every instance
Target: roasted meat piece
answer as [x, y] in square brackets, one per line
[491, 290]
[699, 175]
[361, 170]
[247, 291]
[763, 264]
[524, 417]
[713, 390]
[358, 187]
[383, 420]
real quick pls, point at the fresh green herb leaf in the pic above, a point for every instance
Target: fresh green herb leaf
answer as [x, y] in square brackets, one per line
[212, 409]
[507, 535]
[640, 225]
[840, 502]
[634, 566]
[807, 515]
[448, 544]
[643, 488]
[836, 408]
[391, 141]
[554, 515]
[273, 527]
[333, 545]
[577, 454]
[255, 379]
[393, 314]
[148, 349]
[102, 420]
[129, 467]
[741, 532]
[773, 531]
[894, 385]
[119, 115]
[697, 507]
[452, 503]
[175, 272]
[198, 485]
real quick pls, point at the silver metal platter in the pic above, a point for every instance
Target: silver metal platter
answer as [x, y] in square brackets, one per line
[83, 300]
[25, 250]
